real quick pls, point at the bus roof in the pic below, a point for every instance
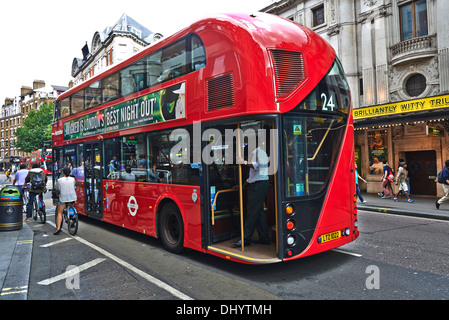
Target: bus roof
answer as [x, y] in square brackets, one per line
[265, 30]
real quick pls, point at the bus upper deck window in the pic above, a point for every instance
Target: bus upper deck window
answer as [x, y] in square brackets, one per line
[65, 107]
[57, 110]
[111, 87]
[174, 61]
[78, 102]
[93, 95]
[198, 53]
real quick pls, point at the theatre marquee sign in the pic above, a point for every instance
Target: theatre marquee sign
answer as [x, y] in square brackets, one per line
[432, 103]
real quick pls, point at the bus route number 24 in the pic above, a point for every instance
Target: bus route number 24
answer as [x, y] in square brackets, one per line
[328, 102]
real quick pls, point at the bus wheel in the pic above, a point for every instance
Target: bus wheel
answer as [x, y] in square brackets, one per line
[171, 228]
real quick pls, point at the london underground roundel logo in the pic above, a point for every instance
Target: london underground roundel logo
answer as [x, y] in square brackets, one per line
[132, 206]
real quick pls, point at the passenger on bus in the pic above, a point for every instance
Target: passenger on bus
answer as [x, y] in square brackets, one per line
[128, 175]
[257, 188]
[154, 176]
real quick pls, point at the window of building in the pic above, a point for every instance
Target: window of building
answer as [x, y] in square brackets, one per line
[109, 58]
[413, 20]
[318, 15]
[415, 85]
[136, 31]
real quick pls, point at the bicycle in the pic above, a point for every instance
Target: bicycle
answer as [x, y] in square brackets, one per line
[70, 216]
[38, 206]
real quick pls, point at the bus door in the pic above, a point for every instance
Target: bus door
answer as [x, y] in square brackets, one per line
[226, 178]
[93, 180]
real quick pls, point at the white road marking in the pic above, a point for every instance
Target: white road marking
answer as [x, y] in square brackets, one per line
[55, 243]
[125, 264]
[347, 252]
[71, 272]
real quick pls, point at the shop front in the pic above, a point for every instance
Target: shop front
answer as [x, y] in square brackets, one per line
[414, 131]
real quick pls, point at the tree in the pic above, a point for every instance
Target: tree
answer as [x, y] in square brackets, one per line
[36, 128]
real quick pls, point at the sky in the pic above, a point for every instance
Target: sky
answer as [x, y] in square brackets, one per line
[40, 39]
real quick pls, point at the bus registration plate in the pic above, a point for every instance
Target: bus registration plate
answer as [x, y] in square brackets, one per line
[330, 236]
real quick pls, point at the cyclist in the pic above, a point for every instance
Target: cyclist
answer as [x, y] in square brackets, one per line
[66, 188]
[20, 176]
[38, 180]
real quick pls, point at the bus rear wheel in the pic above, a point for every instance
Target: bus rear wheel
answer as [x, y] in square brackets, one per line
[171, 228]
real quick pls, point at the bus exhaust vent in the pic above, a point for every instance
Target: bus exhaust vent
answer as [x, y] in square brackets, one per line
[220, 92]
[289, 70]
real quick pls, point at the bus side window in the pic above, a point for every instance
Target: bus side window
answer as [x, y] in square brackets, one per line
[57, 110]
[111, 87]
[134, 78]
[154, 67]
[78, 102]
[174, 61]
[198, 53]
[93, 95]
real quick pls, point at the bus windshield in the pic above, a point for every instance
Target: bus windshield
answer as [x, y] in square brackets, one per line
[313, 133]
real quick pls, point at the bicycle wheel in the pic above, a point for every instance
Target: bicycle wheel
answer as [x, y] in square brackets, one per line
[35, 209]
[25, 201]
[72, 222]
[42, 213]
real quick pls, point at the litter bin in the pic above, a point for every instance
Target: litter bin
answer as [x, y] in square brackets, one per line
[11, 205]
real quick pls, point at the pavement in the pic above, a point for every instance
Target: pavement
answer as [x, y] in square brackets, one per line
[16, 247]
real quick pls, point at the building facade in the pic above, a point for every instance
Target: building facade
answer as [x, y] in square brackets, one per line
[15, 111]
[396, 57]
[111, 46]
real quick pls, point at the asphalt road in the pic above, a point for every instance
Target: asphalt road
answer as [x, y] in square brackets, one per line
[395, 257]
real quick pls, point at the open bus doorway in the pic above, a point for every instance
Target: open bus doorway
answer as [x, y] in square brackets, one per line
[226, 178]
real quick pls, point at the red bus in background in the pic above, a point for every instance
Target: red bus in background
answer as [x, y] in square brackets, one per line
[153, 142]
[43, 160]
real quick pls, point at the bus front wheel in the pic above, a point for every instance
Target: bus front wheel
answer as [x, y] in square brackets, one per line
[171, 228]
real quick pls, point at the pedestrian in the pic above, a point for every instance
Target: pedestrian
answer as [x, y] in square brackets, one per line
[8, 175]
[357, 176]
[36, 176]
[401, 181]
[257, 186]
[67, 194]
[20, 176]
[445, 185]
[387, 179]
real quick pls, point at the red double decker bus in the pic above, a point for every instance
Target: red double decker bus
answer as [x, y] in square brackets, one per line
[157, 142]
[42, 158]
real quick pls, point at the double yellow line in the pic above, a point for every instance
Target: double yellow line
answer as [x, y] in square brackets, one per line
[14, 290]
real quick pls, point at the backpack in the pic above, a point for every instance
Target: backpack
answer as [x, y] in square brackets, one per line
[440, 176]
[37, 182]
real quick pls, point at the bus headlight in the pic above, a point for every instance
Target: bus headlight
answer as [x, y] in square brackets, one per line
[291, 240]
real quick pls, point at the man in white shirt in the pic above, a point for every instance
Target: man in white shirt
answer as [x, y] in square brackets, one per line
[257, 189]
[20, 176]
[67, 194]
